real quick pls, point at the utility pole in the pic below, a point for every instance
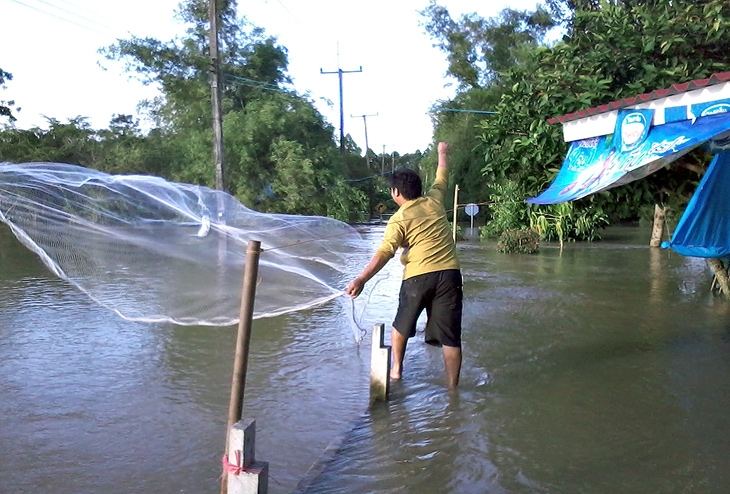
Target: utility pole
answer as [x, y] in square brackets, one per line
[365, 123]
[382, 162]
[215, 94]
[339, 73]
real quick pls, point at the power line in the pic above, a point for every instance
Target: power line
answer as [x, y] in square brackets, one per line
[285, 8]
[61, 18]
[244, 81]
[382, 174]
[76, 14]
[465, 111]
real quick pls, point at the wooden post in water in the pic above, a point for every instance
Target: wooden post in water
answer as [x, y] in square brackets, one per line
[657, 231]
[379, 365]
[721, 279]
[240, 363]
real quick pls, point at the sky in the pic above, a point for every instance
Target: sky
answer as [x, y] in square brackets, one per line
[51, 49]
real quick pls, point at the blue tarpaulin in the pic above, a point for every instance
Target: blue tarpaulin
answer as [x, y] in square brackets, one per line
[633, 151]
[704, 229]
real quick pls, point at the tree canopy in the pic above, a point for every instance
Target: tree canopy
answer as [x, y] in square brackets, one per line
[6, 107]
[280, 153]
[608, 50]
[512, 72]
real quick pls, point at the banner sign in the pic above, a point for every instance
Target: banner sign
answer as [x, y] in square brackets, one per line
[710, 108]
[597, 163]
[632, 127]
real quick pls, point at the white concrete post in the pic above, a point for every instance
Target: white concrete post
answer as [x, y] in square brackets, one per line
[245, 474]
[456, 208]
[379, 365]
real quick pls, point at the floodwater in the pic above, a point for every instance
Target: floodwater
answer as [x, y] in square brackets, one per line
[604, 369]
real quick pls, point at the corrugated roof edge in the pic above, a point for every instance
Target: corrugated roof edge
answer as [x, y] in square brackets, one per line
[678, 88]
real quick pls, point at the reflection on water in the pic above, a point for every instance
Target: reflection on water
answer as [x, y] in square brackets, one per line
[603, 369]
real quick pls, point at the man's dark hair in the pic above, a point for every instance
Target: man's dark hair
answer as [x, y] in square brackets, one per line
[407, 182]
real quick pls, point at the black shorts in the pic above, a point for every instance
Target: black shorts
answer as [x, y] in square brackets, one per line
[440, 293]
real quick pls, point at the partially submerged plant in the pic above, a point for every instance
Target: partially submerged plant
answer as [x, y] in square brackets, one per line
[523, 241]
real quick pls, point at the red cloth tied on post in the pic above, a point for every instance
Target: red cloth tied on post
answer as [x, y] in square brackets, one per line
[232, 468]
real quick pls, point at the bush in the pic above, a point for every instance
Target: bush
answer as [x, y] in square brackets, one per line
[523, 241]
[508, 210]
[564, 221]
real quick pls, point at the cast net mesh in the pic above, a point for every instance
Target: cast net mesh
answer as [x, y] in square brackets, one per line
[153, 251]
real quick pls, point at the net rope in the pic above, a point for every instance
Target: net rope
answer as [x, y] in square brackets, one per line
[157, 251]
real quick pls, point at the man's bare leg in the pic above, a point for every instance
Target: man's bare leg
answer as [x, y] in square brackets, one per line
[452, 363]
[398, 342]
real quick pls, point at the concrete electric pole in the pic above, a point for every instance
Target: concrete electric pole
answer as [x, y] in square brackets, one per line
[215, 95]
[365, 123]
[339, 73]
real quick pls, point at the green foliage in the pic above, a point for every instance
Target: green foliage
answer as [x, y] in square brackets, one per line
[480, 49]
[520, 241]
[610, 50]
[279, 153]
[70, 142]
[613, 50]
[345, 203]
[465, 157]
[588, 224]
[565, 221]
[555, 223]
[6, 107]
[508, 210]
[302, 186]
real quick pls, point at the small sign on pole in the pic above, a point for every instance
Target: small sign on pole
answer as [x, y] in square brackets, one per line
[472, 210]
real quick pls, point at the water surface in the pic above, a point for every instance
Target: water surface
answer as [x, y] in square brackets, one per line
[603, 369]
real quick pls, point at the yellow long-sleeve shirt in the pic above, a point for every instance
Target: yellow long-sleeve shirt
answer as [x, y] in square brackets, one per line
[421, 228]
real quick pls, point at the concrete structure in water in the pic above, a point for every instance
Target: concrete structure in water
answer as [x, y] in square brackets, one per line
[379, 365]
[245, 474]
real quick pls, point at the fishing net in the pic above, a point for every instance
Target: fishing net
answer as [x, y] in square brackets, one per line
[155, 251]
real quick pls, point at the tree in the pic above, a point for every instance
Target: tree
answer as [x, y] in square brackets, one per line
[70, 142]
[458, 125]
[7, 107]
[480, 49]
[620, 49]
[267, 127]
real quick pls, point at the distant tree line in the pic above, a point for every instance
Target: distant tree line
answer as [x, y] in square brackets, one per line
[280, 153]
[526, 66]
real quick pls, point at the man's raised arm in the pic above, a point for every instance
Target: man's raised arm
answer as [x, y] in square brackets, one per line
[443, 152]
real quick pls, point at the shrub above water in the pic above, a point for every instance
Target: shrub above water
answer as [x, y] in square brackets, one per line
[522, 241]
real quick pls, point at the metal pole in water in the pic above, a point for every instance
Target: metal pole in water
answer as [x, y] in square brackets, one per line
[243, 339]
